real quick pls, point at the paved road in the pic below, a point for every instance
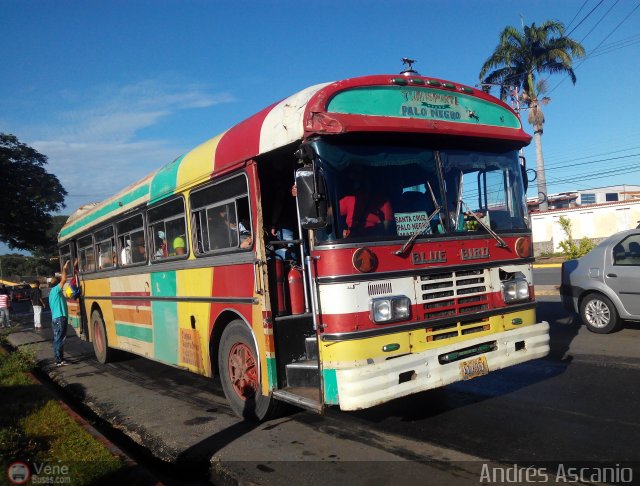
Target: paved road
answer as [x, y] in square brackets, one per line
[579, 404]
[546, 276]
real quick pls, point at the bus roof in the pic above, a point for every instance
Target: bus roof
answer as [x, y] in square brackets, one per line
[379, 103]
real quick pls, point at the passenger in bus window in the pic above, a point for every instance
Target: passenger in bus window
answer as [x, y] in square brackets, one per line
[107, 256]
[364, 211]
[139, 252]
[125, 254]
[179, 245]
[161, 245]
[223, 229]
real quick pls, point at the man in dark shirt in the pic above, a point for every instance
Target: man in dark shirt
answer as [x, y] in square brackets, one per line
[38, 304]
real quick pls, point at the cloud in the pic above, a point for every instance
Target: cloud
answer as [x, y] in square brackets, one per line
[97, 148]
[119, 113]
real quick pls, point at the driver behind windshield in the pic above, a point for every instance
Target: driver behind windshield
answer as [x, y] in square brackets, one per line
[364, 210]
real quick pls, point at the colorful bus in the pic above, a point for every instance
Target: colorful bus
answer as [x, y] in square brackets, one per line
[359, 241]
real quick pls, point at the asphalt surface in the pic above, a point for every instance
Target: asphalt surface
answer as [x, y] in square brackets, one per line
[579, 405]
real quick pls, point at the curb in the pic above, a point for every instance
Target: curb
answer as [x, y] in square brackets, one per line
[547, 265]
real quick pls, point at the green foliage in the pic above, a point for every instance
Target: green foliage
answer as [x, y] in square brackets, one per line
[14, 365]
[17, 266]
[570, 249]
[29, 195]
[34, 428]
[536, 51]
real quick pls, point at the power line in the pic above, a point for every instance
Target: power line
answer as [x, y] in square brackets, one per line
[585, 17]
[594, 161]
[628, 169]
[577, 13]
[599, 21]
[601, 42]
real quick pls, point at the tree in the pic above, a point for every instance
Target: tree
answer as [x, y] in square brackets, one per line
[569, 247]
[518, 60]
[29, 194]
[48, 247]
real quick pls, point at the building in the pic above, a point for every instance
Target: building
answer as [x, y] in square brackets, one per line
[594, 221]
[601, 195]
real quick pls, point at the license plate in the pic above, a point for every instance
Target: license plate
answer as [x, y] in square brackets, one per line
[473, 368]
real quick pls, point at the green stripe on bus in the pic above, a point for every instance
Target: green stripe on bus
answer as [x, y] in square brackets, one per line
[330, 381]
[165, 317]
[165, 180]
[272, 373]
[74, 321]
[133, 332]
[127, 198]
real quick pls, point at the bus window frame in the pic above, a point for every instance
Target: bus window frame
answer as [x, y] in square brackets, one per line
[121, 236]
[195, 212]
[151, 249]
[62, 261]
[80, 249]
[97, 244]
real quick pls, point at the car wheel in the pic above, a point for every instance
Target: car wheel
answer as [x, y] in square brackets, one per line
[599, 314]
[99, 338]
[239, 367]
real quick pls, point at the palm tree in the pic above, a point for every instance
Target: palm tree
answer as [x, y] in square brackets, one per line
[519, 59]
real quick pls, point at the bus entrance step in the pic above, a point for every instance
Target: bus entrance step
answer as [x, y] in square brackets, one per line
[303, 374]
[311, 347]
[307, 398]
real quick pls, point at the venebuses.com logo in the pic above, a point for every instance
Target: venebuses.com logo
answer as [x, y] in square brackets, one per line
[19, 472]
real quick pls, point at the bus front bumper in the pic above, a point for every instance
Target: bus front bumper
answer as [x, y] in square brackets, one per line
[366, 386]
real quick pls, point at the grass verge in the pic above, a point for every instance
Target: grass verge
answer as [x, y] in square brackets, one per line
[36, 430]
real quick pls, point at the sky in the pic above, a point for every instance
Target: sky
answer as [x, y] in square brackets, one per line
[112, 90]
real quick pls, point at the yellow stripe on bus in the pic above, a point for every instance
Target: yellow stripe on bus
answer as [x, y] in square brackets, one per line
[198, 164]
[194, 340]
[346, 354]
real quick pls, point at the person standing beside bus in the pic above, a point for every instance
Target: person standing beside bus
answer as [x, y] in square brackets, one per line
[38, 305]
[59, 315]
[5, 305]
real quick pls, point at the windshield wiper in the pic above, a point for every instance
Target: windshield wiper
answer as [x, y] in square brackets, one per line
[422, 227]
[500, 241]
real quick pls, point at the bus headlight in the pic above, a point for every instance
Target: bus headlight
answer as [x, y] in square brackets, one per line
[390, 309]
[515, 290]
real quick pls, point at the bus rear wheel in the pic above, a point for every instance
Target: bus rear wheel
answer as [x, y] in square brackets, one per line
[100, 343]
[239, 365]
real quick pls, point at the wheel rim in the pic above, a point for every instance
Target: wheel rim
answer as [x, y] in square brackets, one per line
[97, 337]
[243, 371]
[597, 313]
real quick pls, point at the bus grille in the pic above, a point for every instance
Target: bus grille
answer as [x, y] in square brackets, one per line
[450, 294]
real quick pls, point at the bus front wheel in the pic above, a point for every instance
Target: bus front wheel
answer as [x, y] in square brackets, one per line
[100, 343]
[239, 365]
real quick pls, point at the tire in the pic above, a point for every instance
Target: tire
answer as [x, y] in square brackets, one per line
[99, 338]
[238, 363]
[599, 314]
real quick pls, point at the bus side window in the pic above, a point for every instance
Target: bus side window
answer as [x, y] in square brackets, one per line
[86, 255]
[106, 248]
[131, 241]
[65, 255]
[222, 217]
[168, 230]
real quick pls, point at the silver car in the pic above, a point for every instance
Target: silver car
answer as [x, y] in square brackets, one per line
[604, 285]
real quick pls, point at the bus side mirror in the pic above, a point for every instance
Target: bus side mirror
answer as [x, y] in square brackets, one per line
[312, 198]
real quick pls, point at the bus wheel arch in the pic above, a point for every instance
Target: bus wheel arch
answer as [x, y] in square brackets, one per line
[99, 338]
[238, 365]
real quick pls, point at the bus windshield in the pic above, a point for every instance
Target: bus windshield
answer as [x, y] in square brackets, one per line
[378, 192]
